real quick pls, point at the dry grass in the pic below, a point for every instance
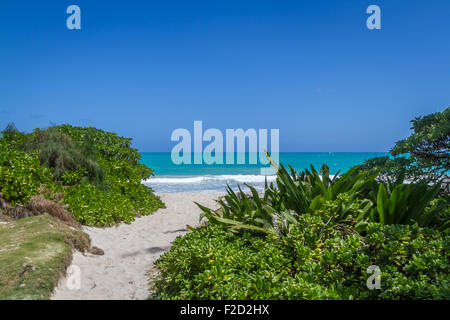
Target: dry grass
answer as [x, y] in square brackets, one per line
[37, 206]
[40, 204]
[4, 218]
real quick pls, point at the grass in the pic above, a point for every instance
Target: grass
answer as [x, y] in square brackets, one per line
[34, 253]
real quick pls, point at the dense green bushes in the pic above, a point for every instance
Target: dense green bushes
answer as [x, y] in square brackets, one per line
[352, 196]
[98, 172]
[21, 174]
[314, 261]
[94, 207]
[58, 151]
[409, 204]
[121, 195]
[313, 237]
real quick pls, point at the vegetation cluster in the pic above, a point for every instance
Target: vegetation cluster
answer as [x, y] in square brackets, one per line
[315, 236]
[92, 175]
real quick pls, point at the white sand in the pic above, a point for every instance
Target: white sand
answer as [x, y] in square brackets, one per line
[130, 250]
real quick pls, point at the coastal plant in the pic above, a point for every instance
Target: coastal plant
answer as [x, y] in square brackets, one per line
[70, 178]
[315, 261]
[108, 144]
[309, 190]
[241, 211]
[423, 156]
[21, 174]
[409, 204]
[56, 150]
[12, 136]
[143, 199]
[314, 236]
[96, 173]
[123, 173]
[352, 196]
[93, 207]
[295, 194]
[429, 145]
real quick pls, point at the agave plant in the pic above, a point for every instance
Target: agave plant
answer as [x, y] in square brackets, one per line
[410, 203]
[295, 194]
[310, 190]
[241, 211]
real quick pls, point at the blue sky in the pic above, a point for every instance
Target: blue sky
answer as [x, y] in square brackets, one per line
[309, 68]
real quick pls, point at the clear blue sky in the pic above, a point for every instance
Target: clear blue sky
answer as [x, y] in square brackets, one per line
[310, 68]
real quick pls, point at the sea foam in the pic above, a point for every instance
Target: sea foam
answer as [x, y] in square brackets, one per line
[206, 183]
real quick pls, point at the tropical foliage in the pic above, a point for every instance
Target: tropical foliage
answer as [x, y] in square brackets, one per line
[353, 197]
[410, 204]
[315, 261]
[314, 237]
[97, 172]
[429, 145]
[21, 174]
[311, 235]
[425, 155]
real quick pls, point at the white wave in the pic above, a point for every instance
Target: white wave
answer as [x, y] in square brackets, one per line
[240, 178]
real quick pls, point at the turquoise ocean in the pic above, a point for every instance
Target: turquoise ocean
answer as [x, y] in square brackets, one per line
[172, 178]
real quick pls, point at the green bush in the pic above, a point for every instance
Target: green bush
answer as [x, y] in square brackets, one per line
[314, 237]
[108, 144]
[143, 199]
[70, 178]
[12, 136]
[98, 172]
[295, 194]
[122, 186]
[21, 174]
[354, 195]
[314, 261]
[409, 204]
[59, 152]
[93, 207]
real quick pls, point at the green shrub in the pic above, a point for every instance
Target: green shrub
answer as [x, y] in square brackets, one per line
[315, 261]
[108, 144]
[143, 199]
[98, 172]
[294, 195]
[123, 176]
[21, 174]
[409, 204]
[93, 207]
[70, 178]
[57, 151]
[354, 195]
[12, 136]
[314, 237]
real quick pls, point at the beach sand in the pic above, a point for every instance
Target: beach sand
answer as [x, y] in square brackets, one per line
[130, 250]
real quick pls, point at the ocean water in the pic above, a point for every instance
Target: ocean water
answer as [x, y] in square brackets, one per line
[172, 178]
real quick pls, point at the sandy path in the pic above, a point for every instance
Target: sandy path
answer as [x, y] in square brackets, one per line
[130, 250]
